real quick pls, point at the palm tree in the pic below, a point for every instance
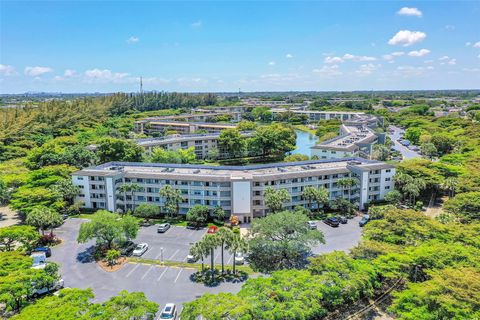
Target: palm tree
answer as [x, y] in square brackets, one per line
[236, 244]
[322, 197]
[210, 241]
[223, 234]
[450, 184]
[347, 183]
[124, 188]
[199, 252]
[274, 199]
[134, 188]
[309, 194]
[173, 197]
[413, 188]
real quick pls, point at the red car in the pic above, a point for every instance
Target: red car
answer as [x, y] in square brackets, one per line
[212, 229]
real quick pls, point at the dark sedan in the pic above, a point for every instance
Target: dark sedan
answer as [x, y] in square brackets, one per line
[332, 222]
[45, 250]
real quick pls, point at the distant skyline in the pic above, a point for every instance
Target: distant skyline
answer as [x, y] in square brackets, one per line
[93, 46]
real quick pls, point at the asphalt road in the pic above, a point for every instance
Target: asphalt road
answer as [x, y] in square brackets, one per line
[162, 284]
[406, 152]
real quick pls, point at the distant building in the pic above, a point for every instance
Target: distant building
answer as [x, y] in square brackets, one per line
[203, 143]
[238, 190]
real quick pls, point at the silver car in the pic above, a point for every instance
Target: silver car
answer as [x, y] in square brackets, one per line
[312, 225]
[163, 227]
[140, 249]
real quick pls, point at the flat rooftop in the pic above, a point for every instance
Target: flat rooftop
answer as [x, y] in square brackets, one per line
[177, 170]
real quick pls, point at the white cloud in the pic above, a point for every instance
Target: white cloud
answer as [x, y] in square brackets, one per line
[444, 58]
[271, 63]
[331, 60]
[366, 69]
[328, 70]
[390, 57]
[477, 44]
[69, 73]
[468, 44]
[407, 38]
[104, 75]
[449, 27]
[7, 70]
[133, 39]
[37, 71]
[406, 11]
[419, 53]
[408, 71]
[197, 24]
[289, 56]
[349, 56]
[452, 62]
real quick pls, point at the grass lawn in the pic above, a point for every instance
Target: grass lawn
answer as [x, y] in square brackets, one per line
[305, 128]
[197, 265]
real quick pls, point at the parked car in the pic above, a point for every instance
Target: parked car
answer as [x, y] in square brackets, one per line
[332, 222]
[312, 225]
[56, 286]
[212, 229]
[127, 248]
[364, 220]
[169, 312]
[343, 219]
[191, 259]
[140, 249]
[239, 258]
[39, 260]
[163, 227]
[46, 250]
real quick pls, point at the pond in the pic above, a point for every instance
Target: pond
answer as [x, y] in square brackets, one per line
[305, 140]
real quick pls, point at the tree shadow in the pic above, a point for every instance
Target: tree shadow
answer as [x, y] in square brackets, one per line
[86, 256]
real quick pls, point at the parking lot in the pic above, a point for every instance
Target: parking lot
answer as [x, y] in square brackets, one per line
[162, 284]
[174, 244]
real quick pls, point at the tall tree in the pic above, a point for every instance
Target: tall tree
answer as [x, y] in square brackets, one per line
[172, 197]
[44, 218]
[147, 211]
[224, 236]
[235, 243]
[281, 241]
[107, 228]
[23, 237]
[274, 199]
[231, 142]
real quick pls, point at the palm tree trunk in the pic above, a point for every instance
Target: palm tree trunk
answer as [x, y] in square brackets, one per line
[234, 270]
[203, 264]
[223, 268]
[124, 202]
[133, 200]
[212, 263]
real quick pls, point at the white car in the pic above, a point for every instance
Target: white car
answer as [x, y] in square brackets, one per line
[140, 249]
[168, 312]
[56, 286]
[312, 225]
[239, 258]
[39, 260]
[191, 259]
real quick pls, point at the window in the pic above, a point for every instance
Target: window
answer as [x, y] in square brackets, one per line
[388, 170]
[387, 187]
[79, 178]
[388, 179]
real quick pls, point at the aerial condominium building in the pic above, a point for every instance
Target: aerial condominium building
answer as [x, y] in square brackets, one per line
[239, 190]
[314, 115]
[203, 143]
[354, 140]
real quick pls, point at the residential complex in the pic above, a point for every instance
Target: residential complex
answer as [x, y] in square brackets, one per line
[203, 143]
[239, 190]
[353, 140]
[314, 115]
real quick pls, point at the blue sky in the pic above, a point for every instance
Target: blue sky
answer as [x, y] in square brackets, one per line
[104, 46]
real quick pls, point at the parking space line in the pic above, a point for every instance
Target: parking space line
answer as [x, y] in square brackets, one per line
[145, 274]
[178, 275]
[230, 259]
[174, 254]
[131, 271]
[216, 256]
[162, 274]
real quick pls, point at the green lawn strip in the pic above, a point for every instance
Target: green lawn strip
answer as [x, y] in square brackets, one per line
[187, 265]
[305, 128]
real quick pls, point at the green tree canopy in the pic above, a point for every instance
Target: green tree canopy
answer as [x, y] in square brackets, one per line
[108, 228]
[281, 241]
